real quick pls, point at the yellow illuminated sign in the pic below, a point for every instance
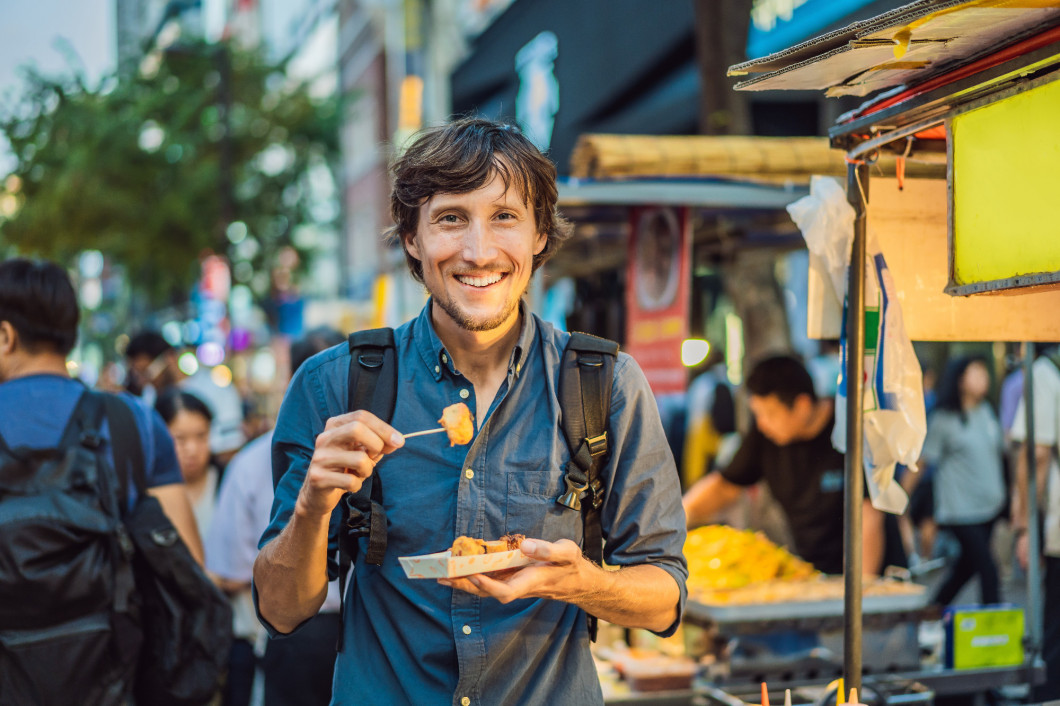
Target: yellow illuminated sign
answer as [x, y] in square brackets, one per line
[1005, 190]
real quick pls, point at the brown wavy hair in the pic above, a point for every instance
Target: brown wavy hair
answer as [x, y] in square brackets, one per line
[465, 155]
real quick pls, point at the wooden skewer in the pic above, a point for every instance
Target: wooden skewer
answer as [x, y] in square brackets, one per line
[424, 432]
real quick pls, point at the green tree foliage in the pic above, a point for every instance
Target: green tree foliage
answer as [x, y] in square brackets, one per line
[153, 168]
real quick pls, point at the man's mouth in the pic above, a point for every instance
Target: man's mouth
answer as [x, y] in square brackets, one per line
[481, 280]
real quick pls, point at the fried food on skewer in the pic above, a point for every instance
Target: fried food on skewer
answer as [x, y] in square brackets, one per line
[456, 420]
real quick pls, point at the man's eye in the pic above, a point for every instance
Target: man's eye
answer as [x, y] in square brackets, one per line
[448, 218]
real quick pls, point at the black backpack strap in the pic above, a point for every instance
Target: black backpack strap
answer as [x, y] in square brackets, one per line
[585, 381]
[373, 387]
[125, 442]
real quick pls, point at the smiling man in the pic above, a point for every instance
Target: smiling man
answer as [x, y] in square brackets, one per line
[474, 204]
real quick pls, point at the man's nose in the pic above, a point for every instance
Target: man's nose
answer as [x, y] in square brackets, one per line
[479, 245]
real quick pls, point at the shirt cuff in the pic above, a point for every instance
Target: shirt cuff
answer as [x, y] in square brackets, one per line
[680, 577]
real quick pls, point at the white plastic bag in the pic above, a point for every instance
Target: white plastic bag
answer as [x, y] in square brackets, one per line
[893, 403]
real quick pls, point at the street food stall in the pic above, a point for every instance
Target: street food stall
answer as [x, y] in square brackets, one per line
[973, 86]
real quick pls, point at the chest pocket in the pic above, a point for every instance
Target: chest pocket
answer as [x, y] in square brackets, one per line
[531, 507]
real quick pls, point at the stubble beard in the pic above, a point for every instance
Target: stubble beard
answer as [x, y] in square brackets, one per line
[476, 324]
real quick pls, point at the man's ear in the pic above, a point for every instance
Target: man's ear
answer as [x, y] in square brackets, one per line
[8, 337]
[411, 245]
[542, 241]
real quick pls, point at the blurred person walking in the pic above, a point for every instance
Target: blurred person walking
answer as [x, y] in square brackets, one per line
[1046, 376]
[298, 670]
[68, 632]
[153, 370]
[964, 444]
[188, 419]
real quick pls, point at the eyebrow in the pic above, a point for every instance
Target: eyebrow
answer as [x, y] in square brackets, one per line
[438, 203]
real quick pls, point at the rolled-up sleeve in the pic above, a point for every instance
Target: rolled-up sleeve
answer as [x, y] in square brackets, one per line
[643, 520]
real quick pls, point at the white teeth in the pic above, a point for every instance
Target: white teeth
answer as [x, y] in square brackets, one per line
[481, 281]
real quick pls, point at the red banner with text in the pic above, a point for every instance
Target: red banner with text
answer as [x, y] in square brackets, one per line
[658, 292]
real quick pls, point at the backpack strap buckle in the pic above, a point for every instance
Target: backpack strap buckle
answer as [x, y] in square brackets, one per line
[596, 494]
[597, 444]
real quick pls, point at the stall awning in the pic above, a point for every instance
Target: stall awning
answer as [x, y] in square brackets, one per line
[906, 46]
[700, 193]
[768, 160]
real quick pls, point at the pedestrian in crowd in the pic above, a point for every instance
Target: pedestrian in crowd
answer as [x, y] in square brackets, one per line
[1046, 376]
[154, 369]
[475, 206]
[38, 401]
[918, 526]
[188, 420]
[297, 670]
[710, 425]
[964, 444]
[790, 448]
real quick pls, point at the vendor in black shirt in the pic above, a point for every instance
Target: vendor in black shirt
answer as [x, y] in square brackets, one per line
[790, 448]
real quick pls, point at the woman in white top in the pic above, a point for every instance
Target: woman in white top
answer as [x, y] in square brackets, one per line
[964, 443]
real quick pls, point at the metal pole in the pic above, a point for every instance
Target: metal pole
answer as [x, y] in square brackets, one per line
[857, 195]
[1034, 578]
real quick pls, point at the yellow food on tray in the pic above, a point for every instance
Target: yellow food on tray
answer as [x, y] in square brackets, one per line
[815, 588]
[722, 558]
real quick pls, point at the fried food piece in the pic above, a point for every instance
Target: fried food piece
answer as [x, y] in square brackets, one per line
[495, 546]
[468, 546]
[513, 540]
[456, 419]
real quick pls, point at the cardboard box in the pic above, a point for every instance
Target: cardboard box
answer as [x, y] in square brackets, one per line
[443, 565]
[983, 636]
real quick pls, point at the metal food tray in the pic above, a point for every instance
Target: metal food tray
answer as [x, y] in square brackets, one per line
[796, 610]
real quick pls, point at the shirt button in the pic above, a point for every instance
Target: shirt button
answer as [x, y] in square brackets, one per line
[464, 394]
[467, 629]
[445, 359]
[469, 474]
[437, 368]
[465, 701]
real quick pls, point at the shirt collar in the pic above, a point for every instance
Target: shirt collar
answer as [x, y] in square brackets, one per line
[436, 358]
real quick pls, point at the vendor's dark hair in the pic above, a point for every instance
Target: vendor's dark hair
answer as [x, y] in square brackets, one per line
[173, 401]
[39, 301]
[465, 155]
[782, 375]
[948, 391]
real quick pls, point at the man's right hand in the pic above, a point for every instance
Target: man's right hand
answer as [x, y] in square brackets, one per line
[345, 454]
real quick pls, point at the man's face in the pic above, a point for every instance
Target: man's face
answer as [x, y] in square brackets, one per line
[477, 251]
[780, 423]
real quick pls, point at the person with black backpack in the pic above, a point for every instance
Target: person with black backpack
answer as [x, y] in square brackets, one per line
[568, 450]
[69, 623]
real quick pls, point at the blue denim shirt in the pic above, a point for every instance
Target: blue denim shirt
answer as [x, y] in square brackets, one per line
[417, 642]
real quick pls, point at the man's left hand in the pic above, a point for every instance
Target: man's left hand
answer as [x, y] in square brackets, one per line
[560, 572]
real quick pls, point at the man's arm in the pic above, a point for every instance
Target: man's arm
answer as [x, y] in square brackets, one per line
[708, 497]
[642, 596]
[290, 573]
[174, 501]
[872, 539]
[1020, 513]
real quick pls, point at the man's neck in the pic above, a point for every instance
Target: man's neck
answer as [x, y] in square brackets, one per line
[478, 355]
[37, 364]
